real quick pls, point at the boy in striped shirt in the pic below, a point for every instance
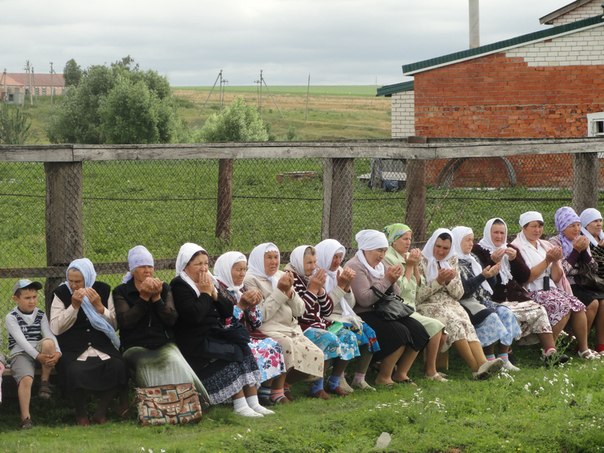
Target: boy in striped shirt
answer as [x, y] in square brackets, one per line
[30, 340]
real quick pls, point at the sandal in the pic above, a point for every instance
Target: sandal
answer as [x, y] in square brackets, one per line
[438, 377]
[588, 354]
[45, 392]
[407, 381]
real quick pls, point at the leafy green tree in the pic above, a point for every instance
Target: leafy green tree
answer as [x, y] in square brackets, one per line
[14, 125]
[117, 104]
[238, 122]
[72, 73]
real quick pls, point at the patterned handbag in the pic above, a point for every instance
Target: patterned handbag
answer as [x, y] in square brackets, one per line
[168, 404]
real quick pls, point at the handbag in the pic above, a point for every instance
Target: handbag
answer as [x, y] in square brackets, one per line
[390, 306]
[169, 404]
[588, 277]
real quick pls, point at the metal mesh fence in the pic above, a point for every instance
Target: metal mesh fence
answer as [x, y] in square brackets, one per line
[162, 204]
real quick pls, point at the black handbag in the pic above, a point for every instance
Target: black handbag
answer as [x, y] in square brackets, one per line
[588, 277]
[390, 306]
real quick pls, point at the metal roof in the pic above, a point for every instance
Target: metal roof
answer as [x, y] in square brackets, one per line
[389, 90]
[518, 41]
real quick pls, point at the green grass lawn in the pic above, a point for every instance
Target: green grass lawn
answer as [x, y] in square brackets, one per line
[534, 410]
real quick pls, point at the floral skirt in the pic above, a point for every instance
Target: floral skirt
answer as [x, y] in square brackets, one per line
[343, 344]
[500, 326]
[532, 318]
[299, 352]
[269, 357]
[557, 303]
[366, 337]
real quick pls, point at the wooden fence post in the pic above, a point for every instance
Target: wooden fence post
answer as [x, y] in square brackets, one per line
[64, 219]
[415, 188]
[586, 169]
[224, 200]
[338, 185]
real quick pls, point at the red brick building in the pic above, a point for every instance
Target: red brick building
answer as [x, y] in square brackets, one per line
[547, 84]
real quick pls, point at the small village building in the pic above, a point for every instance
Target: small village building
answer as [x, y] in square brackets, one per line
[15, 87]
[546, 84]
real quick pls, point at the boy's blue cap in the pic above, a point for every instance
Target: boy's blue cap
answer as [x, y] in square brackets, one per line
[25, 283]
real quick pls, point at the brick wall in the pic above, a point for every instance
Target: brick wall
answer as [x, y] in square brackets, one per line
[534, 91]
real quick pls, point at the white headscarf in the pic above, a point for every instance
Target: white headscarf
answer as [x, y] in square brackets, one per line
[296, 259]
[533, 255]
[505, 271]
[137, 256]
[371, 240]
[428, 253]
[588, 216]
[186, 252]
[459, 233]
[222, 271]
[256, 262]
[326, 250]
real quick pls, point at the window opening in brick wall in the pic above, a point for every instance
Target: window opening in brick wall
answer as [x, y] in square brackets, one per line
[595, 127]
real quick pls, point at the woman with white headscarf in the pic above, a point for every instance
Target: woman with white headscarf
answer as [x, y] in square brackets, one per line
[577, 262]
[591, 228]
[281, 306]
[330, 254]
[336, 342]
[400, 253]
[498, 324]
[494, 249]
[220, 357]
[400, 339]
[146, 316]
[229, 270]
[82, 316]
[547, 284]
[438, 297]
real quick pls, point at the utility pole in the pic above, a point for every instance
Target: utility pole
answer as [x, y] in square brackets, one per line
[263, 82]
[52, 85]
[307, 93]
[259, 91]
[223, 83]
[5, 94]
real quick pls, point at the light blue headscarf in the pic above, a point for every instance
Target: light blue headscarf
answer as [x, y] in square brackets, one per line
[86, 268]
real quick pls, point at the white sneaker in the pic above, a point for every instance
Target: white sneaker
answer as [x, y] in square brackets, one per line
[262, 410]
[344, 385]
[248, 412]
[509, 366]
[488, 368]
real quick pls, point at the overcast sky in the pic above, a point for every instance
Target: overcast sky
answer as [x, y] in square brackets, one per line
[356, 42]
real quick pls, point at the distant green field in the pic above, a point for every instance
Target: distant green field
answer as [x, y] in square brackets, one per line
[315, 90]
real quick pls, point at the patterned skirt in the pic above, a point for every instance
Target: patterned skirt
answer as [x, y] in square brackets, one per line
[500, 326]
[343, 344]
[557, 303]
[454, 317]
[299, 353]
[269, 357]
[366, 337]
[532, 318]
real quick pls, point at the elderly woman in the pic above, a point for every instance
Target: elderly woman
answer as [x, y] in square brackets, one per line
[281, 306]
[399, 238]
[438, 297]
[330, 254]
[146, 315]
[229, 270]
[336, 343]
[546, 282]
[591, 228]
[576, 258]
[400, 339]
[82, 316]
[534, 324]
[500, 326]
[220, 357]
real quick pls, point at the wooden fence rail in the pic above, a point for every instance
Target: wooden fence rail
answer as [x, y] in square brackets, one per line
[64, 179]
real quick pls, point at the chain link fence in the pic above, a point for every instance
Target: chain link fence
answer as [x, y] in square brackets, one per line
[164, 203]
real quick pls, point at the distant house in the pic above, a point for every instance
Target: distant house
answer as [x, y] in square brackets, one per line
[547, 84]
[15, 86]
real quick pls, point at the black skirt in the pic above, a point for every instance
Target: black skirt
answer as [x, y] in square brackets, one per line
[392, 335]
[93, 374]
[586, 295]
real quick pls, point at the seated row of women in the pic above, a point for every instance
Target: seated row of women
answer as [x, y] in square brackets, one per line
[250, 330]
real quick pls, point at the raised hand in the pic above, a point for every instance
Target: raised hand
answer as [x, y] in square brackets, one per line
[393, 273]
[316, 282]
[345, 278]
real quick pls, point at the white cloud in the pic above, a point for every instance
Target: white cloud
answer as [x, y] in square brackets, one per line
[336, 41]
